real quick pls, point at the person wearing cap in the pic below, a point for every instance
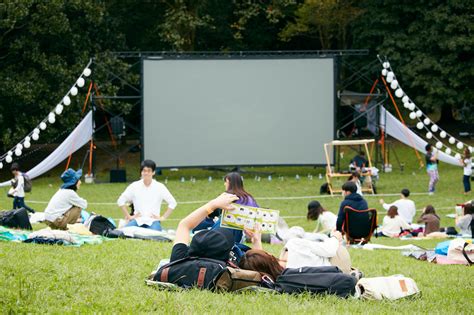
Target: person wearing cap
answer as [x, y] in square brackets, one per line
[65, 206]
[215, 244]
[146, 195]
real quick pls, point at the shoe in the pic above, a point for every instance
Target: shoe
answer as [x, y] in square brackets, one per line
[430, 193]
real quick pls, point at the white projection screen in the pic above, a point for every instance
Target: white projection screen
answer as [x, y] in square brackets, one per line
[237, 112]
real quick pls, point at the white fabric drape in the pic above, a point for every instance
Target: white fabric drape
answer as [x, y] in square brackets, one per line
[76, 139]
[399, 131]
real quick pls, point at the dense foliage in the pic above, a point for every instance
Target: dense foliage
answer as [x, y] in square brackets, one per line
[45, 44]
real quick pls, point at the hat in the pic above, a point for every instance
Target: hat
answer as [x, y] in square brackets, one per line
[215, 244]
[70, 177]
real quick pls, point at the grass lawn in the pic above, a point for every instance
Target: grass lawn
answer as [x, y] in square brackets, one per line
[109, 278]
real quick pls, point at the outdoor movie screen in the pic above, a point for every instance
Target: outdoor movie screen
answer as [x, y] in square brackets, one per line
[237, 112]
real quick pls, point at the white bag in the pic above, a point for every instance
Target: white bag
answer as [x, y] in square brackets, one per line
[391, 288]
[455, 250]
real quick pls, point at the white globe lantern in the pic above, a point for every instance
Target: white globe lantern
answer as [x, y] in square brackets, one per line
[443, 134]
[457, 156]
[80, 82]
[405, 99]
[419, 113]
[434, 128]
[52, 119]
[459, 145]
[17, 152]
[87, 72]
[27, 139]
[66, 100]
[19, 146]
[471, 149]
[429, 135]
[394, 84]
[452, 140]
[406, 105]
[399, 93]
[9, 159]
[391, 74]
[59, 109]
[426, 121]
[36, 131]
[448, 151]
[1, 165]
[386, 64]
[27, 144]
[419, 125]
[412, 115]
[73, 91]
[384, 72]
[411, 106]
[439, 145]
[42, 125]
[389, 78]
[35, 136]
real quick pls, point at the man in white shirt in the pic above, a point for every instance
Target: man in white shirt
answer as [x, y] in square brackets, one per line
[406, 207]
[146, 195]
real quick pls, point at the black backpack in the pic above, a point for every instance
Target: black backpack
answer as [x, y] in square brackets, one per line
[318, 280]
[190, 272]
[27, 184]
[17, 219]
[99, 225]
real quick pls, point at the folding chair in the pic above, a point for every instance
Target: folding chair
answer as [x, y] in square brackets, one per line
[359, 225]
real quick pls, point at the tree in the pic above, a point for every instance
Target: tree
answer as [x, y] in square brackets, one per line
[44, 46]
[429, 45]
[324, 22]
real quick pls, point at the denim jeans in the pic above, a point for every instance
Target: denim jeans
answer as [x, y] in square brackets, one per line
[156, 225]
[19, 202]
[467, 184]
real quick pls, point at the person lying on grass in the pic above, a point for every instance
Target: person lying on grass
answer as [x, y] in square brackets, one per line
[215, 244]
[296, 253]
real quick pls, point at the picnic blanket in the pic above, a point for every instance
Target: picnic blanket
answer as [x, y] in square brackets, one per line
[48, 236]
[372, 246]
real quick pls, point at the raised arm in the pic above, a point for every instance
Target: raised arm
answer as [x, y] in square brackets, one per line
[194, 218]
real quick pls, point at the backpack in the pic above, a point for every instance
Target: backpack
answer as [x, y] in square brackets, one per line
[206, 273]
[318, 280]
[17, 219]
[27, 183]
[324, 189]
[98, 224]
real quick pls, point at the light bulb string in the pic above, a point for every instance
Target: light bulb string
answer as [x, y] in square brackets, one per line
[448, 135]
[45, 120]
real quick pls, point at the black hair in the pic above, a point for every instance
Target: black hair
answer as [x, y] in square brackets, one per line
[72, 187]
[428, 147]
[405, 192]
[15, 167]
[361, 153]
[148, 163]
[349, 186]
[314, 210]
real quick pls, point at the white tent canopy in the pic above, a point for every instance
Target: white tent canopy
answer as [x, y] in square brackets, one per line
[76, 139]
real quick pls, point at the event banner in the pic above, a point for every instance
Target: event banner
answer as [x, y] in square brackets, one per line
[244, 217]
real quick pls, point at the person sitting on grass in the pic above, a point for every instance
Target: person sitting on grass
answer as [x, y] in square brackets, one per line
[465, 222]
[325, 220]
[406, 207]
[355, 178]
[146, 195]
[393, 224]
[65, 206]
[351, 199]
[430, 219]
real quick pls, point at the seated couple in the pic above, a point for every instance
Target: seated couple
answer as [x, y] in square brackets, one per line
[217, 243]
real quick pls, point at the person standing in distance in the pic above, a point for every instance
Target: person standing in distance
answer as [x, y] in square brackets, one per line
[431, 168]
[146, 195]
[466, 162]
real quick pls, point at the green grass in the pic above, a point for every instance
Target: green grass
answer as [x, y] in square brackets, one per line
[109, 278]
